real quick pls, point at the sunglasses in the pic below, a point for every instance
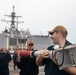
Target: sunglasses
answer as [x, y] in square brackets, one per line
[51, 33]
[30, 45]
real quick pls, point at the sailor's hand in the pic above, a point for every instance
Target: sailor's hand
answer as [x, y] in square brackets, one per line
[44, 53]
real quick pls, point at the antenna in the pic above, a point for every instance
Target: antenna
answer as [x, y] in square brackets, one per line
[13, 8]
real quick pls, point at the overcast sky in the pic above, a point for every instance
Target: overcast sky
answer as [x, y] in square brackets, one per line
[41, 15]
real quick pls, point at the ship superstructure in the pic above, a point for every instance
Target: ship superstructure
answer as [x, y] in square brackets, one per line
[14, 39]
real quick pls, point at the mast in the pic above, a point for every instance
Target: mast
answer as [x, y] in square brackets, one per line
[14, 21]
[13, 30]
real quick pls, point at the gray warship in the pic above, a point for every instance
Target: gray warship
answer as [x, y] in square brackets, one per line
[14, 39]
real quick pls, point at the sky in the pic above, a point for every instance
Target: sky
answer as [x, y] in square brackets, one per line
[41, 15]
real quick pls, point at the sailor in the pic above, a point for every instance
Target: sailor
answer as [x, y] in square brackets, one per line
[5, 58]
[58, 35]
[27, 65]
